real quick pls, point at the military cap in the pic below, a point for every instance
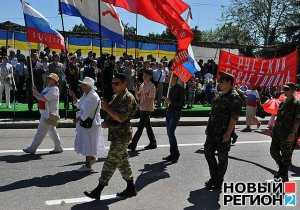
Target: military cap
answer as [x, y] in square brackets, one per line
[121, 76]
[226, 76]
[290, 86]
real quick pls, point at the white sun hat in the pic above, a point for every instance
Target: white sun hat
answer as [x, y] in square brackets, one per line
[89, 82]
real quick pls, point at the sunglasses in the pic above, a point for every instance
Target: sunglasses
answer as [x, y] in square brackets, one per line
[116, 83]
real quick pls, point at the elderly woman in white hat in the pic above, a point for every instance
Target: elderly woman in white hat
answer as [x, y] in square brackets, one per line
[48, 102]
[88, 141]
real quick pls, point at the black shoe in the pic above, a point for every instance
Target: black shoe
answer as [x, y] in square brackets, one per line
[209, 184]
[247, 129]
[96, 193]
[172, 158]
[175, 158]
[234, 138]
[129, 192]
[150, 146]
[132, 147]
[53, 152]
[168, 158]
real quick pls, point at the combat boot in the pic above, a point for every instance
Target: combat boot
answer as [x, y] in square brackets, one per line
[130, 190]
[96, 193]
[132, 146]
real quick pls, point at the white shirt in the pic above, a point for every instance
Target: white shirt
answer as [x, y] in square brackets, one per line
[52, 104]
[6, 71]
[87, 105]
[159, 75]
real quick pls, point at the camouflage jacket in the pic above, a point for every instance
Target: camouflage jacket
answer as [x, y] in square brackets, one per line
[225, 107]
[125, 105]
[288, 114]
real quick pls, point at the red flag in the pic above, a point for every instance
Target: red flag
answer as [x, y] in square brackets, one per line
[166, 12]
[147, 7]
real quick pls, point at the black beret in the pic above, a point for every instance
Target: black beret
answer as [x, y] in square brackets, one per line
[290, 85]
[121, 76]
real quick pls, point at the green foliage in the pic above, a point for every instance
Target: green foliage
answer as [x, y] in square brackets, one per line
[265, 20]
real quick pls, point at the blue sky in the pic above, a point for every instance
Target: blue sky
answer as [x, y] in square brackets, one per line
[206, 14]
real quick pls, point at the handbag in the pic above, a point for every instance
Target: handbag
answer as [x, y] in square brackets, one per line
[53, 120]
[88, 123]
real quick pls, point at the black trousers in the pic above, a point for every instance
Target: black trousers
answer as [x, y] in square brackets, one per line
[144, 122]
[217, 169]
[281, 151]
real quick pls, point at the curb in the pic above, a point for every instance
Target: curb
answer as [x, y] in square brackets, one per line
[34, 125]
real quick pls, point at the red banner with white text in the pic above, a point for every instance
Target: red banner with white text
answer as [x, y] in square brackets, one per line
[259, 72]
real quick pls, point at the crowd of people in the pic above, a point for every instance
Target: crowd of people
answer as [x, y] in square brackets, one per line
[16, 79]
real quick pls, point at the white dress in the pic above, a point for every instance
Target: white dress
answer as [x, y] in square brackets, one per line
[89, 141]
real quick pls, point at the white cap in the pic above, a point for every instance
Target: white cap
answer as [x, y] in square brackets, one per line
[89, 82]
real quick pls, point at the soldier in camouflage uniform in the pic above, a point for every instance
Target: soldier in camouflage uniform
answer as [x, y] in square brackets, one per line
[284, 134]
[224, 115]
[120, 110]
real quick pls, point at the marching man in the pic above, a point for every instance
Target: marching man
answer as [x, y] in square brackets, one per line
[6, 80]
[48, 102]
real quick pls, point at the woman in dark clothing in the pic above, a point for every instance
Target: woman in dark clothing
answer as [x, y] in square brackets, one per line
[175, 103]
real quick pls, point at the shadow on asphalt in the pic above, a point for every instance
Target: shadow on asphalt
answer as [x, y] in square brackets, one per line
[295, 170]
[201, 151]
[152, 173]
[22, 158]
[96, 205]
[83, 162]
[61, 178]
[204, 199]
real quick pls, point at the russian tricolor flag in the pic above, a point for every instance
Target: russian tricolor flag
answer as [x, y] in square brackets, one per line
[88, 11]
[39, 29]
[185, 65]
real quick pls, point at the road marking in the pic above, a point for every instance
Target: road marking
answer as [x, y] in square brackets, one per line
[291, 179]
[76, 200]
[139, 147]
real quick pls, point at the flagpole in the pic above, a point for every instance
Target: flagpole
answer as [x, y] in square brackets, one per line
[29, 46]
[100, 26]
[63, 24]
[67, 63]
[136, 34]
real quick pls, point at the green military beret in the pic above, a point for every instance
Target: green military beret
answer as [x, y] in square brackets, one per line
[290, 86]
[226, 76]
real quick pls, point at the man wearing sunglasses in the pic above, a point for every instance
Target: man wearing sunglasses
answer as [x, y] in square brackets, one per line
[224, 115]
[285, 131]
[119, 112]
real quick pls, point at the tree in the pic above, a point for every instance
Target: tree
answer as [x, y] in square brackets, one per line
[129, 30]
[80, 29]
[228, 33]
[293, 28]
[265, 20]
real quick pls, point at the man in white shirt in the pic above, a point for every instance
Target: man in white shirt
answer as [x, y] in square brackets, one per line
[159, 76]
[48, 102]
[6, 80]
[252, 101]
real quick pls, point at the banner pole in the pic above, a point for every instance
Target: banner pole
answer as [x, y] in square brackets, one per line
[63, 24]
[29, 46]
[100, 27]
[136, 35]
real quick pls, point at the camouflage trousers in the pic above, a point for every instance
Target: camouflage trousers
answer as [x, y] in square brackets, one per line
[281, 151]
[117, 158]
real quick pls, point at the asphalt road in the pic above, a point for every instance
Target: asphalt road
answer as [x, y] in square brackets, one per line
[52, 182]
